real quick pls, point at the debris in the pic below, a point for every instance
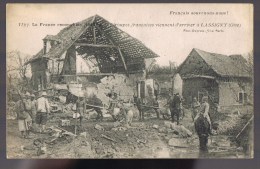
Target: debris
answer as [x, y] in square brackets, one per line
[66, 132]
[108, 138]
[62, 99]
[91, 105]
[180, 129]
[65, 122]
[55, 108]
[155, 126]
[236, 112]
[177, 142]
[162, 130]
[98, 150]
[117, 123]
[185, 132]
[119, 129]
[84, 134]
[107, 115]
[42, 150]
[91, 115]
[116, 83]
[22, 148]
[167, 124]
[98, 127]
[140, 141]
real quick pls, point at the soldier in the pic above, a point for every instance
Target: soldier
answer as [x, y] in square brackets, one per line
[195, 108]
[139, 103]
[178, 106]
[43, 108]
[156, 104]
[33, 101]
[175, 107]
[81, 107]
[112, 101]
[23, 108]
[171, 104]
[202, 127]
[204, 110]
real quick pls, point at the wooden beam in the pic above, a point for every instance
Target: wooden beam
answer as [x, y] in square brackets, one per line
[95, 45]
[87, 74]
[121, 55]
[123, 60]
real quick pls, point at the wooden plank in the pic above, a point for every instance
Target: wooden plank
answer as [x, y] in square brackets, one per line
[245, 126]
[88, 74]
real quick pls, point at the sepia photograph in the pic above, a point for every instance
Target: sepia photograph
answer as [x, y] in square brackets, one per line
[129, 81]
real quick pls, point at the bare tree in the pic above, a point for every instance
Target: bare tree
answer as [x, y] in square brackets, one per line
[17, 70]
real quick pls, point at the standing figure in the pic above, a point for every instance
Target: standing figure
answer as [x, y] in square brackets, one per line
[112, 104]
[80, 108]
[156, 104]
[195, 108]
[28, 107]
[202, 128]
[43, 108]
[204, 110]
[177, 107]
[139, 103]
[23, 108]
[34, 111]
[128, 114]
[171, 104]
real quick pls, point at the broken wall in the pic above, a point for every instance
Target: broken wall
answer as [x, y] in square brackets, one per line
[39, 77]
[69, 67]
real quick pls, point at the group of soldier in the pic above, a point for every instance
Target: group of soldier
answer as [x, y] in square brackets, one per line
[32, 111]
[200, 117]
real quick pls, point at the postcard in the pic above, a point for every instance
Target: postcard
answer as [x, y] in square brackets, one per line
[129, 81]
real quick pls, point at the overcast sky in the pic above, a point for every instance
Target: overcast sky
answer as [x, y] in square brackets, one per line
[170, 43]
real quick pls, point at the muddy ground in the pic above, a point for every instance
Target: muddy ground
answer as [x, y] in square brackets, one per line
[141, 140]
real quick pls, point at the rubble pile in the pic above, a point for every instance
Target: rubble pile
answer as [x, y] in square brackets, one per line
[177, 129]
[117, 84]
[232, 125]
[234, 122]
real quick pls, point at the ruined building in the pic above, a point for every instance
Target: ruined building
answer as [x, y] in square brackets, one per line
[105, 49]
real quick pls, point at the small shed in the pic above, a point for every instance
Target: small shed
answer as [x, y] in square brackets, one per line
[225, 79]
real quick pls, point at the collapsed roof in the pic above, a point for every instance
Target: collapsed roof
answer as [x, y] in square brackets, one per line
[114, 50]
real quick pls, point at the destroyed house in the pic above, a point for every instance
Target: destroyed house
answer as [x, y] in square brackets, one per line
[103, 47]
[224, 79]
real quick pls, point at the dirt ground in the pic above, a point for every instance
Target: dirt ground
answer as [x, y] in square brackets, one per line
[141, 140]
